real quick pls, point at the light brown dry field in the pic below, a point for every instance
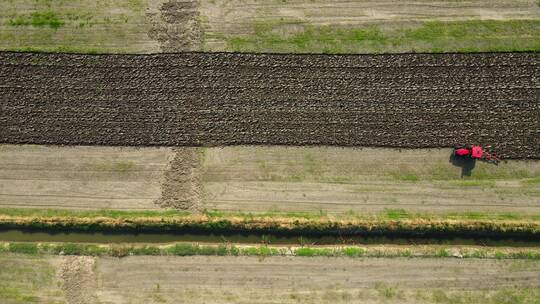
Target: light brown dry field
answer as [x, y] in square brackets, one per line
[82, 26]
[315, 25]
[343, 26]
[57, 279]
[81, 177]
[261, 179]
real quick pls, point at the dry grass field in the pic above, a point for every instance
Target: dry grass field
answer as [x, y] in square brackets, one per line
[346, 26]
[331, 179]
[307, 26]
[261, 179]
[70, 279]
[81, 177]
[75, 26]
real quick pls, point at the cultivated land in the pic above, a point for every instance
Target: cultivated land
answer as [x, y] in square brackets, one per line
[300, 179]
[200, 99]
[266, 280]
[262, 179]
[338, 189]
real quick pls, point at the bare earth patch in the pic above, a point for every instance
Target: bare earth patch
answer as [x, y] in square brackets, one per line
[175, 24]
[181, 186]
[78, 279]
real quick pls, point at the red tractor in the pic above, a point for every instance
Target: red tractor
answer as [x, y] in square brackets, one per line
[476, 152]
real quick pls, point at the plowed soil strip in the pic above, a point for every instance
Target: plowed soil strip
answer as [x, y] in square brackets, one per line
[201, 99]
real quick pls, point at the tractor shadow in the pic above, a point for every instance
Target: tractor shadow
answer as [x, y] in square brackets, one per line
[466, 164]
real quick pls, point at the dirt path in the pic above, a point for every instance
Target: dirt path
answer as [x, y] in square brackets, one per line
[175, 24]
[181, 187]
[78, 279]
[407, 101]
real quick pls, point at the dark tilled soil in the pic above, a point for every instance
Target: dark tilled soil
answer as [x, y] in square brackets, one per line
[197, 99]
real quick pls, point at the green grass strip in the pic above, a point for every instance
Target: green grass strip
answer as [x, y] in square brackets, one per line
[432, 36]
[189, 249]
[38, 19]
[388, 214]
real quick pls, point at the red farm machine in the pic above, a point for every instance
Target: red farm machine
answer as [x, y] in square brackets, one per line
[476, 152]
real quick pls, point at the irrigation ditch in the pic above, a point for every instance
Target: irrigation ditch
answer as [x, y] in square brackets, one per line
[276, 230]
[33, 235]
[123, 233]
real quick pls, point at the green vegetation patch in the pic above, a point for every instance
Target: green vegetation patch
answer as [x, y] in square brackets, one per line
[115, 166]
[387, 214]
[74, 26]
[38, 19]
[434, 36]
[516, 295]
[26, 280]
[225, 249]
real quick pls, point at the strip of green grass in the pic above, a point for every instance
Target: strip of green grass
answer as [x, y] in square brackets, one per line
[388, 214]
[435, 36]
[188, 249]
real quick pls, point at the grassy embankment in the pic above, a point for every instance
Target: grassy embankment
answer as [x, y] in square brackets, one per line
[390, 223]
[189, 249]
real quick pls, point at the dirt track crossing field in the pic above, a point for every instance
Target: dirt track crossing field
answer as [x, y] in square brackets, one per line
[199, 99]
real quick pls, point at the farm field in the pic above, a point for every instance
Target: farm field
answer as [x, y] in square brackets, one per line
[314, 26]
[202, 99]
[81, 177]
[76, 26]
[345, 26]
[339, 180]
[80, 279]
[261, 179]
[268, 151]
